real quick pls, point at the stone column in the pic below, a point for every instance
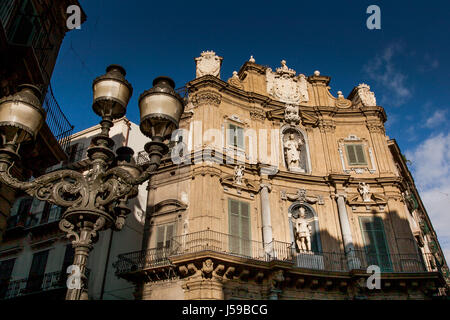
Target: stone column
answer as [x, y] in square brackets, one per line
[353, 262]
[266, 220]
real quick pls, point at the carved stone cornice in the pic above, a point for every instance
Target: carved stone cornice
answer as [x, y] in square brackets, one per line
[208, 97]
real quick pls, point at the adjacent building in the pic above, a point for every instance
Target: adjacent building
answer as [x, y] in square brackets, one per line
[31, 33]
[277, 189]
[35, 253]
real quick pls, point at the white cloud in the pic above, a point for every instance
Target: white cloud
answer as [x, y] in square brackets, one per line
[385, 73]
[429, 64]
[438, 117]
[431, 170]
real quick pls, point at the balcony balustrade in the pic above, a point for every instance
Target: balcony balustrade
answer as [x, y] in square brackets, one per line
[34, 285]
[209, 240]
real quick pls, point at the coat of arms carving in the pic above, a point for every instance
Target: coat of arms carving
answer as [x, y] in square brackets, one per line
[285, 86]
[366, 96]
[208, 63]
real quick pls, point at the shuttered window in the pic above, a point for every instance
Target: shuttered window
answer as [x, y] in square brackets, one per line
[164, 235]
[6, 268]
[375, 244]
[37, 270]
[239, 227]
[355, 154]
[236, 136]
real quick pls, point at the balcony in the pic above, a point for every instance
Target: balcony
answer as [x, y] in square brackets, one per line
[57, 121]
[51, 284]
[248, 251]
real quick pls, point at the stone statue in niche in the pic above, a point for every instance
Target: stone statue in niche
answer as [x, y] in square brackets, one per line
[364, 190]
[292, 144]
[303, 231]
[238, 174]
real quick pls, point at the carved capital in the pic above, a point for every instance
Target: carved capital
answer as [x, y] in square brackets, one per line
[327, 126]
[375, 127]
[268, 186]
[206, 97]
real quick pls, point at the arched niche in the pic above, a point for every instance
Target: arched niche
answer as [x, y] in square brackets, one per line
[313, 220]
[300, 135]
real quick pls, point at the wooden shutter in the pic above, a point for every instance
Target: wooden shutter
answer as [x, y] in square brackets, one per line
[351, 154]
[160, 237]
[234, 228]
[240, 137]
[37, 271]
[245, 229]
[6, 268]
[360, 154]
[231, 134]
[355, 154]
[375, 244]
[169, 235]
[239, 227]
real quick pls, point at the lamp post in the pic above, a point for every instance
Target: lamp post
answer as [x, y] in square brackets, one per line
[95, 200]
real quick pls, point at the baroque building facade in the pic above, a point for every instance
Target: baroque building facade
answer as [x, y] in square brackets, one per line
[276, 189]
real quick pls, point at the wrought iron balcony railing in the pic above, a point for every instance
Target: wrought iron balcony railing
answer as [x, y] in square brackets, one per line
[56, 120]
[48, 281]
[209, 240]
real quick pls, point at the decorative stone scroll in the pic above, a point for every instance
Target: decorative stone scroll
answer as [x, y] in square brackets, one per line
[208, 64]
[284, 85]
[366, 96]
[235, 81]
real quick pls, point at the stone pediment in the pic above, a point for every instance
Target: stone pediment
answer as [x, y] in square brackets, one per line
[375, 199]
[306, 117]
[246, 184]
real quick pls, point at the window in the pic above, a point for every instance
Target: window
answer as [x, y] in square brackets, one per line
[37, 271]
[164, 236]
[6, 268]
[375, 245]
[355, 154]
[239, 227]
[75, 152]
[235, 136]
[25, 25]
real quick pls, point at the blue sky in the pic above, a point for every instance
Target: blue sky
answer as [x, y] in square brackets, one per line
[405, 63]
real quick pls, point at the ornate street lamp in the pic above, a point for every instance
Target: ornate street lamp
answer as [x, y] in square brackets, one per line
[95, 200]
